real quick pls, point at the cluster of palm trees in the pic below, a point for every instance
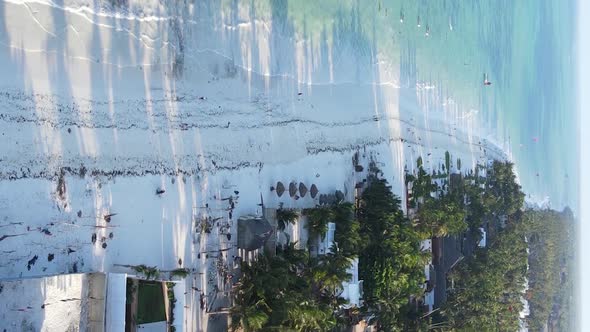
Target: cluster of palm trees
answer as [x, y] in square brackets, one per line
[294, 291]
[391, 263]
[347, 226]
[551, 239]
[468, 202]
[482, 297]
[290, 291]
[440, 217]
[488, 286]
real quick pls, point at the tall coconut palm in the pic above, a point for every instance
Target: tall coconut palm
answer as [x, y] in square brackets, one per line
[440, 217]
[249, 317]
[347, 233]
[319, 217]
[295, 258]
[328, 273]
[306, 315]
[286, 216]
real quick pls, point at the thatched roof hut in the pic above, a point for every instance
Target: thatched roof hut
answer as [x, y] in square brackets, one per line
[302, 189]
[313, 191]
[253, 232]
[292, 189]
[280, 188]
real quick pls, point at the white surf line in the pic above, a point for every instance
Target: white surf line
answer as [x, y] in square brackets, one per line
[37, 21]
[83, 10]
[188, 51]
[142, 39]
[245, 25]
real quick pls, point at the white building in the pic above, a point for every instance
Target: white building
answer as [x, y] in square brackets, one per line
[429, 300]
[326, 242]
[483, 242]
[116, 299]
[352, 290]
[426, 246]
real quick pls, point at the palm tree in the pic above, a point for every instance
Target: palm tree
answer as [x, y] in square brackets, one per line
[295, 258]
[249, 317]
[148, 271]
[286, 216]
[347, 233]
[307, 315]
[319, 217]
[328, 273]
[440, 217]
[180, 272]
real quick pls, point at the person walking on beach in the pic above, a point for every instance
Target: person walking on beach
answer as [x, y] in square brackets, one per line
[202, 300]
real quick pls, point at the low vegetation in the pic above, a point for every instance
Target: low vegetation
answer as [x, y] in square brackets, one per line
[150, 272]
[150, 302]
[172, 302]
[180, 272]
[289, 290]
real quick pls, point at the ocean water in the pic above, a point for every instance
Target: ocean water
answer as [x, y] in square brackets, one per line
[526, 48]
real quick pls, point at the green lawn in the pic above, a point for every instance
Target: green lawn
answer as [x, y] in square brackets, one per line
[150, 302]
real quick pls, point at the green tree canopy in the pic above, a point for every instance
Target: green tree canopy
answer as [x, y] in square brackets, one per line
[391, 263]
[440, 217]
[347, 234]
[319, 217]
[286, 216]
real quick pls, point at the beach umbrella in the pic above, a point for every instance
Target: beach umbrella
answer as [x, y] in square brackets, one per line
[292, 189]
[330, 199]
[280, 189]
[302, 189]
[313, 191]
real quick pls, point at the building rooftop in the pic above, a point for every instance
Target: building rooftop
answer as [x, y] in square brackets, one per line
[253, 232]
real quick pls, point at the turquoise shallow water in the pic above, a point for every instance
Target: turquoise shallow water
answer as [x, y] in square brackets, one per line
[534, 104]
[526, 47]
